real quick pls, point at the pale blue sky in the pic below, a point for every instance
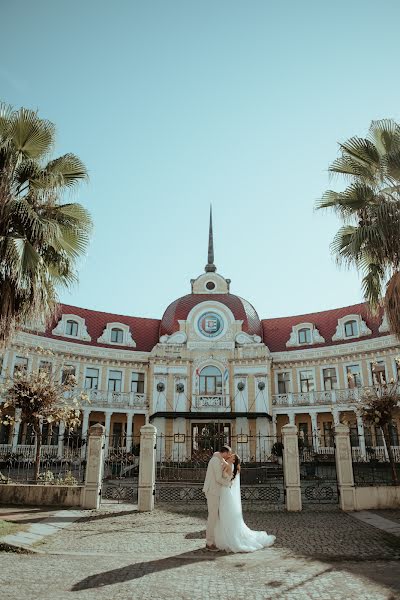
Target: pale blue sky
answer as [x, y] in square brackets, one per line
[176, 104]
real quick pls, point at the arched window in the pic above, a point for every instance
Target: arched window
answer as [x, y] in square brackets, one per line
[71, 328]
[117, 335]
[350, 329]
[210, 381]
[305, 336]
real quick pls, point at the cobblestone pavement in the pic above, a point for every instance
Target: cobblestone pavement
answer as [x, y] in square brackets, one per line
[120, 554]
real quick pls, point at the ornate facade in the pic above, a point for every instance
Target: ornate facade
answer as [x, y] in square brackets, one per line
[212, 360]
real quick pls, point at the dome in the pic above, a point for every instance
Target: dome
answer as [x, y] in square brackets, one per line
[241, 309]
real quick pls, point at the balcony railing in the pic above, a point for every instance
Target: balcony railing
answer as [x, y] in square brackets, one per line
[344, 396]
[215, 401]
[122, 399]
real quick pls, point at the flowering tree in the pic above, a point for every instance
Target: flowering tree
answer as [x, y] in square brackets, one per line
[378, 405]
[39, 397]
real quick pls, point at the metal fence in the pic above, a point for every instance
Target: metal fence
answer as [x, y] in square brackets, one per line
[317, 471]
[62, 463]
[121, 469]
[371, 465]
[181, 464]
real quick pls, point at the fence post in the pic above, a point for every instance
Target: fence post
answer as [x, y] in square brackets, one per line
[147, 468]
[94, 467]
[344, 467]
[291, 468]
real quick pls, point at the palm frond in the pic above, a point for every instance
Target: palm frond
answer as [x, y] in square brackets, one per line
[33, 137]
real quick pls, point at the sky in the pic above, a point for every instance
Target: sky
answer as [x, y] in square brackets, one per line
[174, 105]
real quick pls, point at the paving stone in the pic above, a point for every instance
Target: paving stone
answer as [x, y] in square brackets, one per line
[120, 554]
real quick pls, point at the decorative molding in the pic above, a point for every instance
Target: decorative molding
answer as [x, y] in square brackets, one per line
[363, 329]
[384, 326]
[179, 337]
[242, 338]
[316, 337]
[127, 339]
[61, 326]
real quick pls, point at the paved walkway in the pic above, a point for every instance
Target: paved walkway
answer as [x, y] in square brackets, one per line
[120, 554]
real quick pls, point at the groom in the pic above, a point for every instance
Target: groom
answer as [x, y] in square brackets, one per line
[212, 488]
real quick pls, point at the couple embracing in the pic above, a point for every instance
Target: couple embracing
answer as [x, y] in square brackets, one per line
[226, 529]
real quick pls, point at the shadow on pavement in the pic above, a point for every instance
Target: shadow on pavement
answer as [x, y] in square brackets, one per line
[137, 570]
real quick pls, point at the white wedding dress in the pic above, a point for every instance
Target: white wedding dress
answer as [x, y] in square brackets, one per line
[231, 532]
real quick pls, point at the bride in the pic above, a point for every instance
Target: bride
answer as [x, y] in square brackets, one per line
[231, 532]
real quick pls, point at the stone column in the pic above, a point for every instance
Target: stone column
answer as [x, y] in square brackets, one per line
[94, 467]
[108, 432]
[291, 468]
[292, 418]
[85, 424]
[344, 468]
[60, 448]
[361, 437]
[15, 435]
[147, 468]
[129, 427]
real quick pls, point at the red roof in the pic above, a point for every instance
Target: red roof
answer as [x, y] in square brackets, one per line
[274, 332]
[144, 331]
[241, 309]
[277, 331]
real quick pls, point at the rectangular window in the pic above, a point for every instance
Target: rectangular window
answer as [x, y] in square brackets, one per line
[303, 433]
[368, 436]
[92, 379]
[71, 328]
[378, 437]
[284, 383]
[45, 366]
[21, 364]
[137, 383]
[394, 434]
[378, 372]
[306, 381]
[353, 376]
[354, 440]
[114, 381]
[328, 435]
[117, 336]
[330, 379]
[304, 336]
[66, 372]
[5, 431]
[350, 329]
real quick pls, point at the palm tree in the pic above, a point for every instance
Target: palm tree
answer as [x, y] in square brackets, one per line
[41, 237]
[370, 210]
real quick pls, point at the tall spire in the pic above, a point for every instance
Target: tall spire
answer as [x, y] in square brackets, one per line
[210, 267]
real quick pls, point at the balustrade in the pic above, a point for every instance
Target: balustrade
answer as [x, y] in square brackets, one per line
[343, 396]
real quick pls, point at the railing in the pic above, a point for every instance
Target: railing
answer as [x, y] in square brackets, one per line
[128, 399]
[214, 401]
[343, 396]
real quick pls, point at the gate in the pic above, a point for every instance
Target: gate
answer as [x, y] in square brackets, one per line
[120, 470]
[181, 464]
[318, 471]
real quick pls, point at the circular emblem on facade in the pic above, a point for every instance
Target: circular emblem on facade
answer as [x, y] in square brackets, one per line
[210, 324]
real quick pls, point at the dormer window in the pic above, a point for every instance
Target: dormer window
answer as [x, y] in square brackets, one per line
[351, 329]
[304, 336]
[350, 326]
[71, 328]
[117, 335]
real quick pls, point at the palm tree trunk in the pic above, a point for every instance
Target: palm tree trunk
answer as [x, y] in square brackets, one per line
[386, 435]
[38, 439]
